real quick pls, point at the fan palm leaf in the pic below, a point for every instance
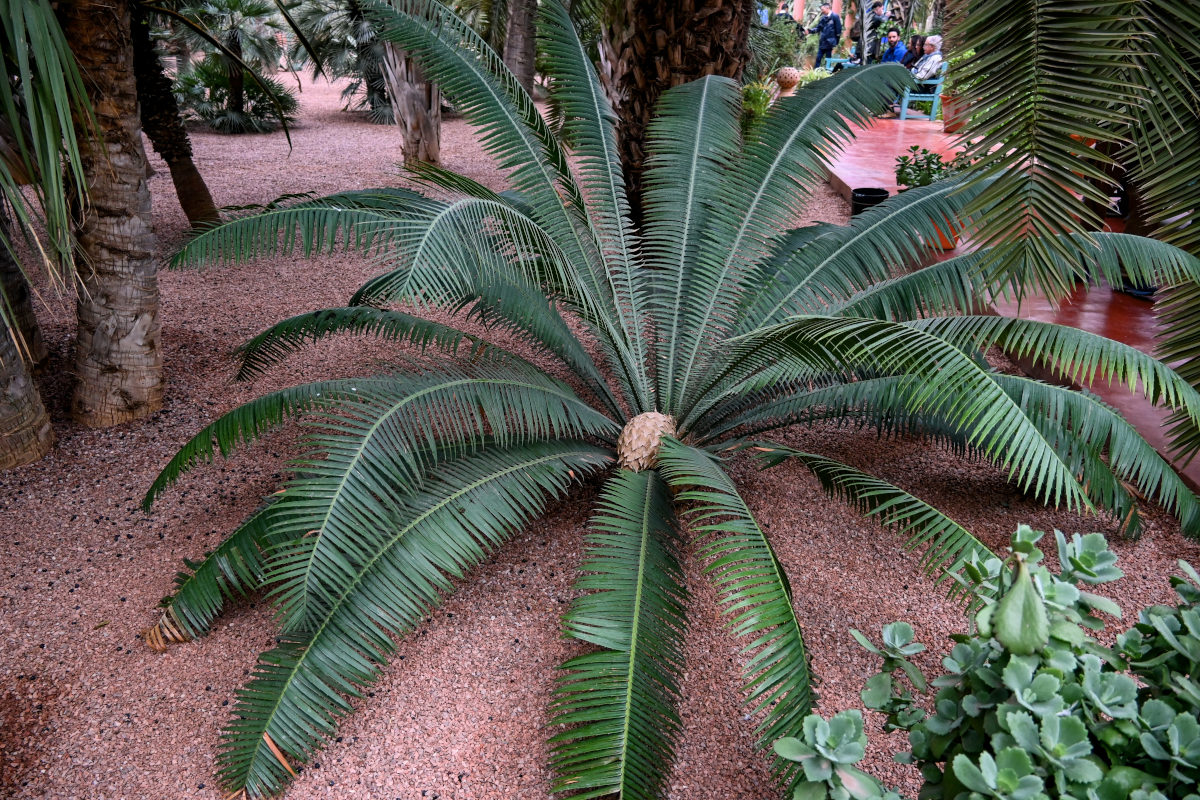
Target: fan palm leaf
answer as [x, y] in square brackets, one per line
[673, 339]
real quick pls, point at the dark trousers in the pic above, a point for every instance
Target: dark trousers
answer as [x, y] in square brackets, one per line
[823, 52]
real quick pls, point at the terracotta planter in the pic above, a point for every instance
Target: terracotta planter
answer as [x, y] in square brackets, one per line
[947, 234]
[954, 113]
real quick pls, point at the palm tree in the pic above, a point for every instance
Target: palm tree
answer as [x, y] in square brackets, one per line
[703, 330]
[1048, 79]
[646, 48]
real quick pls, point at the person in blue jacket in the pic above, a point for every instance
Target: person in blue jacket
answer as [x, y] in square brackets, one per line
[828, 30]
[896, 51]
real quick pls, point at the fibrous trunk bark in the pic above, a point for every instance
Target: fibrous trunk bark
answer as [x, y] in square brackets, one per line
[648, 46]
[25, 432]
[519, 41]
[417, 105]
[118, 357]
[164, 127]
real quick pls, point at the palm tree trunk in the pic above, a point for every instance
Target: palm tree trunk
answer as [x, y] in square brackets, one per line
[417, 105]
[164, 128]
[519, 41]
[648, 46]
[237, 78]
[25, 432]
[118, 358]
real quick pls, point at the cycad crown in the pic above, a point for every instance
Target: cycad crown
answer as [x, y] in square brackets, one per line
[712, 323]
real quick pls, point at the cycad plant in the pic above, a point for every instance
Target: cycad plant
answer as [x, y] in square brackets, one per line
[677, 343]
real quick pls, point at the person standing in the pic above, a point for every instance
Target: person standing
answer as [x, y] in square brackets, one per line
[828, 30]
[875, 23]
[896, 51]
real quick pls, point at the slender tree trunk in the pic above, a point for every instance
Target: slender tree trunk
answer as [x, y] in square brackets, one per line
[25, 432]
[648, 46]
[164, 128]
[118, 358]
[417, 105]
[237, 78]
[520, 50]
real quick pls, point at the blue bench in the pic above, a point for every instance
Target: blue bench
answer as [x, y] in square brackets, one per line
[831, 62]
[925, 91]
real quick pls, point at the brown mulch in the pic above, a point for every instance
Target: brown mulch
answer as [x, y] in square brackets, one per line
[88, 711]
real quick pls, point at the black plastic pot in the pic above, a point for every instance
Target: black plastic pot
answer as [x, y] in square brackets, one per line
[862, 199]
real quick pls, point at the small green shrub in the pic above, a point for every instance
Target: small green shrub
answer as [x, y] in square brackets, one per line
[1032, 706]
[921, 167]
[756, 102]
[203, 94]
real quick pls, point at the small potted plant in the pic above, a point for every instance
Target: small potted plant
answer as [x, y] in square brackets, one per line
[922, 167]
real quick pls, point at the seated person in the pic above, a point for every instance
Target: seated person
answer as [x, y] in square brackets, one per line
[896, 51]
[926, 68]
[915, 49]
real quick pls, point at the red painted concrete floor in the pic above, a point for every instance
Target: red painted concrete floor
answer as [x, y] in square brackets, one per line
[870, 162]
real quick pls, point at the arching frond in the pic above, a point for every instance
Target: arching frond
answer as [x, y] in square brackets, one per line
[284, 338]
[390, 580]
[944, 544]
[1128, 456]
[510, 127]
[690, 146]
[619, 700]
[591, 129]
[940, 378]
[234, 568]
[753, 589]
[248, 422]
[361, 220]
[765, 194]
[1081, 356]
[848, 260]
[364, 460]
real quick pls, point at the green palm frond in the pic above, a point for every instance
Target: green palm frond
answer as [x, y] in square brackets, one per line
[754, 591]
[940, 378]
[41, 100]
[846, 261]
[249, 422]
[389, 580]
[945, 545]
[690, 146]
[619, 700]
[363, 220]
[234, 568]
[590, 125]
[284, 338]
[364, 461]
[509, 125]
[1043, 70]
[765, 194]
[1101, 429]
[1078, 355]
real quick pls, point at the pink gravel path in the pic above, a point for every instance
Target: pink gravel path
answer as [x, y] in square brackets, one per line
[87, 711]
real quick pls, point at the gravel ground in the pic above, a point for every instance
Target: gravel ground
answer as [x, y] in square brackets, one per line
[87, 711]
